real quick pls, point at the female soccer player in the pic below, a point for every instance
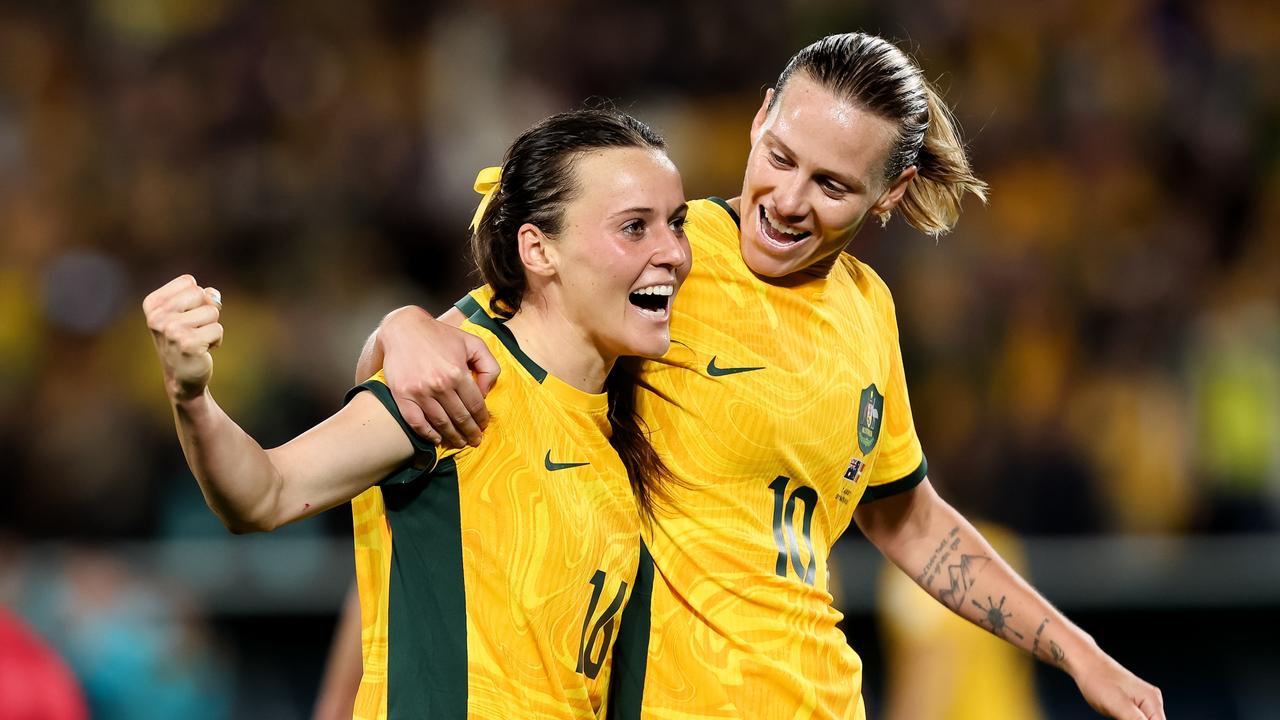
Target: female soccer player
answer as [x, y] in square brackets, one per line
[782, 407]
[491, 579]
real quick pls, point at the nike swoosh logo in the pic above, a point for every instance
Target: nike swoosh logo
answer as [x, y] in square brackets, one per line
[554, 466]
[714, 371]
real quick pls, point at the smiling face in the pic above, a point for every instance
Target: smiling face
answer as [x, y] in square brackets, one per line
[621, 255]
[815, 172]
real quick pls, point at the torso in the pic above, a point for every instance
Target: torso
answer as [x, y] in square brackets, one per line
[491, 587]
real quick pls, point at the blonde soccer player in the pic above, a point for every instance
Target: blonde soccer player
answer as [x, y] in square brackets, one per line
[783, 409]
[491, 579]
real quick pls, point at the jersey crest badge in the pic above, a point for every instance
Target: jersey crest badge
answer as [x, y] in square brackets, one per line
[870, 413]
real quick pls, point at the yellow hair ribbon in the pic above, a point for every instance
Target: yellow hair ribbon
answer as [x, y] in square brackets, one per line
[487, 182]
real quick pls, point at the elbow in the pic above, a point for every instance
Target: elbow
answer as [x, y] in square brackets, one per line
[246, 523]
[246, 526]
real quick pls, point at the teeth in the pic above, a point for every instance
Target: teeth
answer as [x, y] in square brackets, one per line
[664, 290]
[785, 229]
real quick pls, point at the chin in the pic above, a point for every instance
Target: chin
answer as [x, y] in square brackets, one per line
[648, 344]
[765, 264]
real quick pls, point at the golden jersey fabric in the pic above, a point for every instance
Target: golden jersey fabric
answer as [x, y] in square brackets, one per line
[780, 408]
[492, 579]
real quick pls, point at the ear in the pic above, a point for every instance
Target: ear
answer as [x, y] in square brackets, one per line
[761, 115]
[537, 254]
[893, 195]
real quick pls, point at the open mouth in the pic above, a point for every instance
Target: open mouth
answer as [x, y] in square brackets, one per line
[780, 234]
[654, 300]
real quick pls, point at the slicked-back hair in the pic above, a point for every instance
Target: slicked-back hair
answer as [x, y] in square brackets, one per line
[872, 73]
[538, 182]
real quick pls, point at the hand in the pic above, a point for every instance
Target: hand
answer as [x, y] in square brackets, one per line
[438, 376]
[183, 318]
[1117, 693]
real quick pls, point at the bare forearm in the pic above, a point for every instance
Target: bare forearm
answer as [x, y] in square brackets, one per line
[960, 569]
[949, 558]
[235, 474]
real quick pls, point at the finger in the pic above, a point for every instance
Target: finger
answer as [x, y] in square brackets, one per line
[473, 401]
[158, 296]
[458, 413]
[194, 318]
[214, 296]
[482, 364]
[413, 415]
[208, 335]
[439, 419]
[1152, 706]
[185, 299]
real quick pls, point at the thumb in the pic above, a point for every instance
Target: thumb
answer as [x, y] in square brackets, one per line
[482, 363]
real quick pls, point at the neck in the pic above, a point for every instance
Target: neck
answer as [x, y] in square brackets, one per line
[560, 347]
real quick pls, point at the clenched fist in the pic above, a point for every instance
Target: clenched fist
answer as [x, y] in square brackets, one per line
[183, 318]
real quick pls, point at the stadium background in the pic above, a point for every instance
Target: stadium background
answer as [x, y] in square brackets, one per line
[1094, 357]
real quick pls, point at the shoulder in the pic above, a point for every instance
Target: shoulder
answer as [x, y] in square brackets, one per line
[867, 283]
[712, 223]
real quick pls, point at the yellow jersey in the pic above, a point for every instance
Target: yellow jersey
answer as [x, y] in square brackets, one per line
[779, 408]
[492, 579]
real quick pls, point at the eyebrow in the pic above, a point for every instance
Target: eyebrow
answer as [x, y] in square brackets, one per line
[853, 184]
[635, 210]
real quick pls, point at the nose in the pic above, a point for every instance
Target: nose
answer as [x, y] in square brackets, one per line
[672, 250]
[789, 199]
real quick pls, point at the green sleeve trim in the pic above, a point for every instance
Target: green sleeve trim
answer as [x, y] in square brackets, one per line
[901, 485]
[725, 205]
[425, 452]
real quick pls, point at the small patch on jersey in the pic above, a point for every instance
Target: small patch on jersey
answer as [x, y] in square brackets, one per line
[871, 412]
[853, 475]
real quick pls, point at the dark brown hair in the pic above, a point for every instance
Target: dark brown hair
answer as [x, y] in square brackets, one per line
[873, 73]
[538, 182]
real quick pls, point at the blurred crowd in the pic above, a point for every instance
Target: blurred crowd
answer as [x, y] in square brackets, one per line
[1097, 350]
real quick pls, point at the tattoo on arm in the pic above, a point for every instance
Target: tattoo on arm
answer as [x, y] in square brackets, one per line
[996, 619]
[1035, 645]
[960, 574]
[1055, 653]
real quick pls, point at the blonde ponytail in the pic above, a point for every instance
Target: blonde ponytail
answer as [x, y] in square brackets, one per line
[943, 175]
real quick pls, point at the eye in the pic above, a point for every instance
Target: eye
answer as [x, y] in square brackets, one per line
[677, 224]
[634, 227]
[832, 188]
[778, 159]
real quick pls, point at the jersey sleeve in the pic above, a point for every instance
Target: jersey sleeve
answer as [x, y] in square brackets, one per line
[901, 464]
[426, 455]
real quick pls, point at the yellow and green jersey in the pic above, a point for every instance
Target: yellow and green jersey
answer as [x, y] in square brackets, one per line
[492, 579]
[779, 409]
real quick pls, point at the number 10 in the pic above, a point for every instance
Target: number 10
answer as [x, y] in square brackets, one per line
[784, 532]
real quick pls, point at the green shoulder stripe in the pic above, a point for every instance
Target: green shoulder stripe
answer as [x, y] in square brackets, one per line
[724, 204]
[903, 484]
[468, 305]
[426, 452]
[503, 333]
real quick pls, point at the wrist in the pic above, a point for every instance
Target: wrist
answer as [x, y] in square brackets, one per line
[189, 402]
[1079, 652]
